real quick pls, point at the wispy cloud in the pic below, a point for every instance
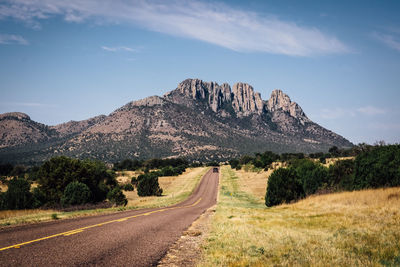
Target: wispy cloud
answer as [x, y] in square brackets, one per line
[391, 40]
[336, 113]
[339, 112]
[370, 110]
[214, 23]
[118, 48]
[12, 39]
[28, 104]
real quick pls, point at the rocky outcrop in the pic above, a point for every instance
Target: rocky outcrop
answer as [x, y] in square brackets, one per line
[14, 115]
[215, 95]
[246, 101]
[280, 101]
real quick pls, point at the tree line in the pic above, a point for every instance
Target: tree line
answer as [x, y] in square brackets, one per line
[374, 167]
[62, 182]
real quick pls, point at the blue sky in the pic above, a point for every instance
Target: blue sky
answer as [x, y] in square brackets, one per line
[72, 60]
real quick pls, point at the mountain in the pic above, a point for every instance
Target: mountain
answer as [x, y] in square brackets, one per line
[199, 120]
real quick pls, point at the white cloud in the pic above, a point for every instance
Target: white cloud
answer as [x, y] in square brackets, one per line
[214, 23]
[336, 113]
[339, 112]
[390, 40]
[28, 104]
[12, 39]
[118, 48]
[370, 110]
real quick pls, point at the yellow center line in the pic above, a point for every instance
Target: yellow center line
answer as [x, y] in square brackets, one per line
[74, 232]
[79, 230]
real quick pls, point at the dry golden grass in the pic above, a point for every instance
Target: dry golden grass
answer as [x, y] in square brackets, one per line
[254, 182]
[331, 161]
[175, 189]
[124, 177]
[343, 229]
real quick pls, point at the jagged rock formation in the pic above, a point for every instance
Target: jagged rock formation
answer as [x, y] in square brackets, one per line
[199, 120]
[281, 101]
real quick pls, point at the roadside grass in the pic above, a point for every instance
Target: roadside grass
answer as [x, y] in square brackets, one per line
[175, 190]
[342, 229]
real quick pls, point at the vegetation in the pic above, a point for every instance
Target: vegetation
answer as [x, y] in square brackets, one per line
[375, 167]
[284, 185]
[148, 185]
[360, 228]
[54, 176]
[175, 190]
[151, 164]
[117, 197]
[17, 196]
[76, 193]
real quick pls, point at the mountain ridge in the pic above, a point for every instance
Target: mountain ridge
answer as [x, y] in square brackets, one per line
[198, 120]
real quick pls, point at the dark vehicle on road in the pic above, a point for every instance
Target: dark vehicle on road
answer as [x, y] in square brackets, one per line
[215, 169]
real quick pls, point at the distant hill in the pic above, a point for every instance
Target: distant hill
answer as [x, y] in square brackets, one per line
[199, 120]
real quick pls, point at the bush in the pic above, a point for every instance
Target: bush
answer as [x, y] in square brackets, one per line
[39, 198]
[5, 169]
[117, 197]
[54, 176]
[284, 186]
[2, 202]
[341, 175]
[377, 167]
[311, 174]
[234, 163]
[167, 171]
[128, 187]
[18, 195]
[148, 185]
[76, 193]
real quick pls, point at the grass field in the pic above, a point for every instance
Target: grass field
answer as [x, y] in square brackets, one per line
[175, 189]
[344, 229]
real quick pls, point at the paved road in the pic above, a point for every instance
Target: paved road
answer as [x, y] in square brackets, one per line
[132, 238]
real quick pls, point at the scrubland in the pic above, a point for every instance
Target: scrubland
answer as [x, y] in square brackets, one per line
[341, 229]
[175, 189]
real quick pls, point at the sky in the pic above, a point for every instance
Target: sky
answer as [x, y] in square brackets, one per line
[72, 60]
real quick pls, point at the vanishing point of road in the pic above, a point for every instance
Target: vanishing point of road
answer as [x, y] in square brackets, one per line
[131, 238]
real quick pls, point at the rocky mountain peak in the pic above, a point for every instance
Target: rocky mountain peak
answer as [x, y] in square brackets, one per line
[216, 95]
[15, 115]
[281, 101]
[245, 100]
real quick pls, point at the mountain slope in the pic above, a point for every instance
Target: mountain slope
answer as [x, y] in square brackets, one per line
[198, 120]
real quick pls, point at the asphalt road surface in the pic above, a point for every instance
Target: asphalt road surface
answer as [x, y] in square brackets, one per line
[132, 238]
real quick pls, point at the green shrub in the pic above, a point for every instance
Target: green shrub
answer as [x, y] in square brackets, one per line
[377, 167]
[128, 187]
[284, 186]
[134, 181]
[39, 198]
[117, 197]
[311, 174]
[76, 193]
[54, 176]
[148, 185]
[18, 195]
[234, 163]
[2, 202]
[167, 171]
[341, 175]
